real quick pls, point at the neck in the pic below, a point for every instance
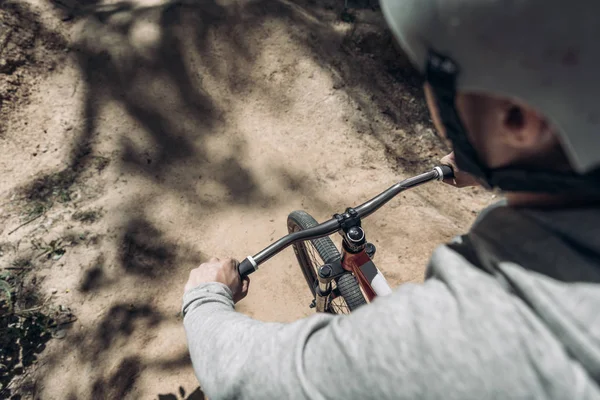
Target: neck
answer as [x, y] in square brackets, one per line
[544, 200]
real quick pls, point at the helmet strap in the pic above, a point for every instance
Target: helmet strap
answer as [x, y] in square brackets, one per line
[441, 76]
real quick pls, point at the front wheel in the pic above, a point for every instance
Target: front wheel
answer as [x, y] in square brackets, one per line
[346, 294]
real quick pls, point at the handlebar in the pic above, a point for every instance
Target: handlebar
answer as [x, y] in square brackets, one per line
[251, 263]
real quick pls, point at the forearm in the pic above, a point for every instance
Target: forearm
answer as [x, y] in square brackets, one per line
[460, 335]
[320, 357]
[237, 357]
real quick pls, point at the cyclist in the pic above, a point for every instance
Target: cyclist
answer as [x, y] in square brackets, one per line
[509, 310]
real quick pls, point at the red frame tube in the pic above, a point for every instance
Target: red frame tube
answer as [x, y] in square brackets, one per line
[352, 262]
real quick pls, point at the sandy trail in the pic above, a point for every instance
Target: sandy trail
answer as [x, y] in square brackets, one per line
[195, 128]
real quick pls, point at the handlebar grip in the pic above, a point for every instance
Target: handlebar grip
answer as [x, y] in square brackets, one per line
[245, 268]
[446, 171]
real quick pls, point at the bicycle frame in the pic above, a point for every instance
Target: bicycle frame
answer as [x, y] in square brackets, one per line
[370, 279]
[364, 270]
[357, 257]
[355, 249]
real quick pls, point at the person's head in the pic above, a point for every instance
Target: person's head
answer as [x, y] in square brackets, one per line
[513, 85]
[505, 133]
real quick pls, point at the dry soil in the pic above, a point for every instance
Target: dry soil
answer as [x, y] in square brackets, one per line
[140, 138]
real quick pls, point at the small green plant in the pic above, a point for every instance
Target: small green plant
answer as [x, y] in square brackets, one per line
[63, 195]
[26, 324]
[53, 250]
[35, 210]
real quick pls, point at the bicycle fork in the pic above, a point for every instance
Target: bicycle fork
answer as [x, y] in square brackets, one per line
[357, 257]
[323, 289]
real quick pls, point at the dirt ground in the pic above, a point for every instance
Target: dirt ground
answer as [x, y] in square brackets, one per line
[140, 138]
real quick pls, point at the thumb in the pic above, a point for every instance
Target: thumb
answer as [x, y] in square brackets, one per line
[450, 161]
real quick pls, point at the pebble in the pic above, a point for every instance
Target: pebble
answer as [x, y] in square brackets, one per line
[54, 290]
[60, 334]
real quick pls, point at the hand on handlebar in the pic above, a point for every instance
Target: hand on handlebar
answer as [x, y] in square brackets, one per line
[460, 179]
[222, 271]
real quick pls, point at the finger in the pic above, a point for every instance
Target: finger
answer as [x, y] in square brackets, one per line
[245, 285]
[232, 263]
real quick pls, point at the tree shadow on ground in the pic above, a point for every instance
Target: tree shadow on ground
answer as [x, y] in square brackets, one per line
[197, 394]
[23, 336]
[361, 58]
[27, 324]
[94, 277]
[367, 65]
[120, 382]
[26, 46]
[143, 250]
[159, 65]
[95, 346]
[160, 91]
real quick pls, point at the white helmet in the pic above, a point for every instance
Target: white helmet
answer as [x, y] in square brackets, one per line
[542, 52]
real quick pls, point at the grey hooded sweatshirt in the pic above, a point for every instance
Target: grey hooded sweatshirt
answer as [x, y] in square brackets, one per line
[509, 311]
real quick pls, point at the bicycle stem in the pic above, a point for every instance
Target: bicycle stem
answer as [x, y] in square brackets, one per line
[251, 263]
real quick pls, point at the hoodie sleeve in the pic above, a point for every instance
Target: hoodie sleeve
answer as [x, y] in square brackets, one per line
[459, 335]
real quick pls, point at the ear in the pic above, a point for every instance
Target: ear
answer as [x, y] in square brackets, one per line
[524, 128]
